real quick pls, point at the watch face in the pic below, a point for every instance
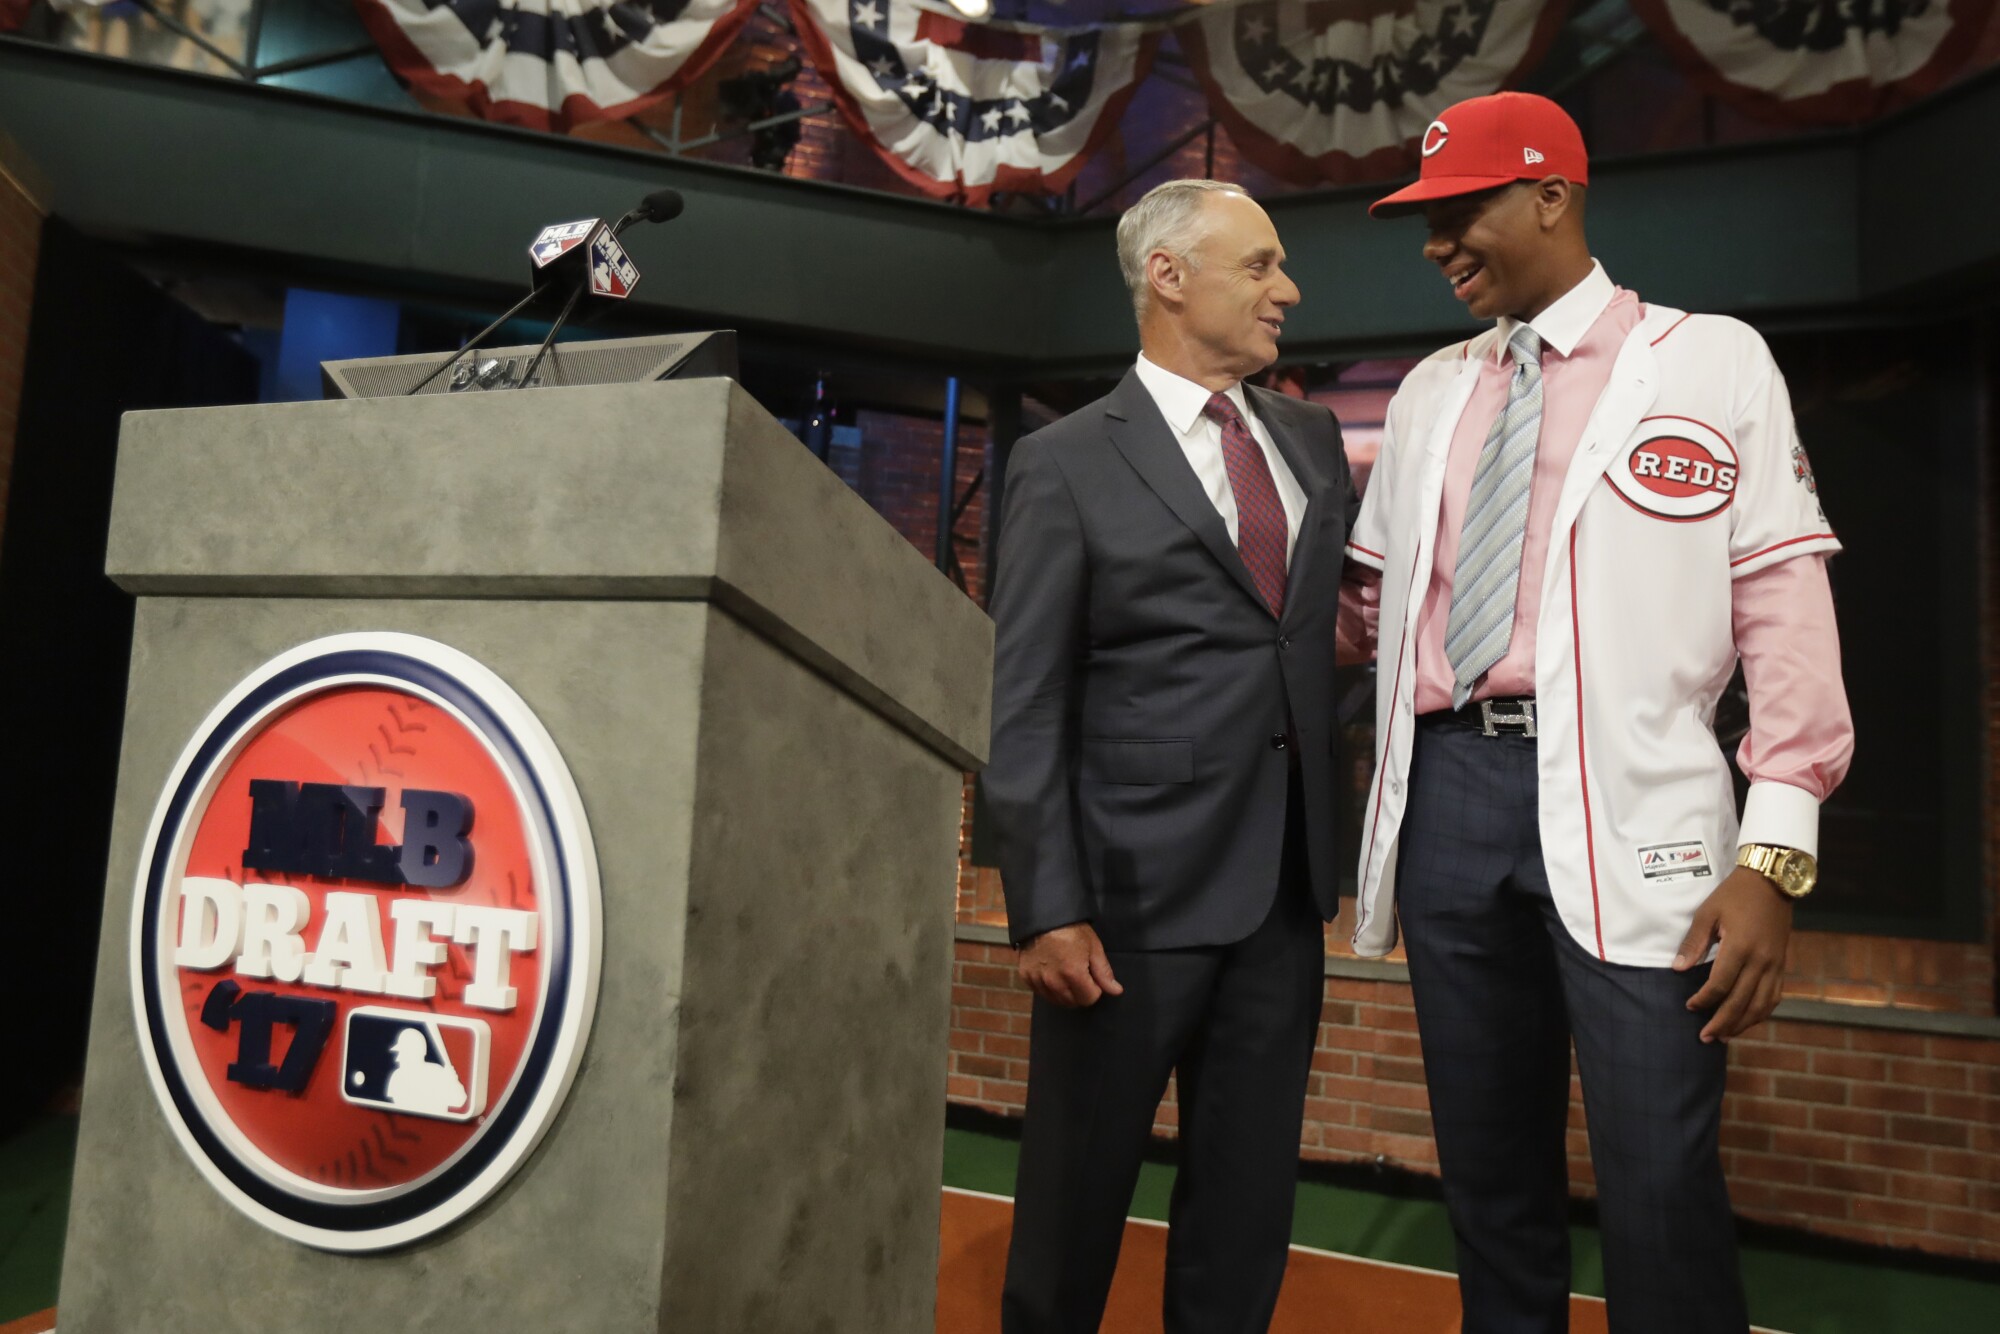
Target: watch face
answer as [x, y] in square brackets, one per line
[1796, 875]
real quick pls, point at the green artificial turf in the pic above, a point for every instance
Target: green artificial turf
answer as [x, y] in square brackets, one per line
[1790, 1291]
[34, 1205]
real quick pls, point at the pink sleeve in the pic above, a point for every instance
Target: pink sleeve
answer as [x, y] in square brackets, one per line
[1801, 733]
[1360, 614]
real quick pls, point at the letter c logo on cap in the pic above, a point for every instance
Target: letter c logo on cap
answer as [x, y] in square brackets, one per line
[1435, 135]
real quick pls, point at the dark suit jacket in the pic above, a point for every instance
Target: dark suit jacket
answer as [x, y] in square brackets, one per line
[1146, 704]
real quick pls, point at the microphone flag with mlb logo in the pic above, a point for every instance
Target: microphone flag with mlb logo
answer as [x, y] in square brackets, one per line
[1822, 62]
[553, 64]
[1320, 91]
[962, 109]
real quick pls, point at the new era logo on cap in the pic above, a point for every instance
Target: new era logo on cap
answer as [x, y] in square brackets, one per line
[1492, 141]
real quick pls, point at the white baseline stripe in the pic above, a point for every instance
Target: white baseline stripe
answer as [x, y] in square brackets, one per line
[1314, 1250]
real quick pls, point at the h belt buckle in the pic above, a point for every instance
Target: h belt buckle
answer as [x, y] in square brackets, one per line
[1491, 722]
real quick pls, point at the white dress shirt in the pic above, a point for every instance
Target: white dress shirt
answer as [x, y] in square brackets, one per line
[1182, 402]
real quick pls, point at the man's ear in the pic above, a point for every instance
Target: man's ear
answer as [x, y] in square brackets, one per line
[1165, 274]
[1555, 199]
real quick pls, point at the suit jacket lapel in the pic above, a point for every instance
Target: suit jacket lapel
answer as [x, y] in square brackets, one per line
[1142, 435]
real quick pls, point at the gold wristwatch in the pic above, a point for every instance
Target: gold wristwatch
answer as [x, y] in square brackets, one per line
[1793, 872]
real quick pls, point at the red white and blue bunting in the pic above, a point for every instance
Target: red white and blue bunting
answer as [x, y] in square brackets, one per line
[961, 110]
[1823, 62]
[1339, 90]
[553, 64]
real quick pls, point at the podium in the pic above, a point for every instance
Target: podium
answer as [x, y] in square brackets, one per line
[733, 707]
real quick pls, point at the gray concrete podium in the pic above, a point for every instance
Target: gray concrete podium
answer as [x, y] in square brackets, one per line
[766, 698]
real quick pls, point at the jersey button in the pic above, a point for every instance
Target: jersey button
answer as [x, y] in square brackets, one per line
[1277, 741]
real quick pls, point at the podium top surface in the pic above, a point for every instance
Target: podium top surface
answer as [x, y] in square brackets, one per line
[675, 490]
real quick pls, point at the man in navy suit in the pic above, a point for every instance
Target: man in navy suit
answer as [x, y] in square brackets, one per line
[1163, 723]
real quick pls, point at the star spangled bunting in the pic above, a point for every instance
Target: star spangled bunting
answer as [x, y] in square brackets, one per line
[1315, 92]
[553, 64]
[961, 109]
[1819, 62]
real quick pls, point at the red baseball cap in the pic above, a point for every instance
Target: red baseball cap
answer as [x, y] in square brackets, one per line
[1488, 141]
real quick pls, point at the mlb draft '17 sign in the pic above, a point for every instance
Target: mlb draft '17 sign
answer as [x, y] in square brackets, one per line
[365, 940]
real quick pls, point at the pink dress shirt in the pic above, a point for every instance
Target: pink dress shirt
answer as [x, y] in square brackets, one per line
[1800, 731]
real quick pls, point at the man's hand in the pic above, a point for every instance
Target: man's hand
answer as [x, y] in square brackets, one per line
[1068, 966]
[1754, 921]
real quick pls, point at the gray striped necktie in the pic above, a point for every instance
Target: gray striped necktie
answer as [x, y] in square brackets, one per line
[1496, 520]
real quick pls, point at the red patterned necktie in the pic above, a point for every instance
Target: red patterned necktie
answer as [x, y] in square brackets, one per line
[1260, 516]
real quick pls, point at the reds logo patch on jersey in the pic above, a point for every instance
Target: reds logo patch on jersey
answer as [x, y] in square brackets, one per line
[1679, 470]
[365, 940]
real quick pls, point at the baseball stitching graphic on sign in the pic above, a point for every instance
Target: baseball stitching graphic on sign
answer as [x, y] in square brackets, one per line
[365, 940]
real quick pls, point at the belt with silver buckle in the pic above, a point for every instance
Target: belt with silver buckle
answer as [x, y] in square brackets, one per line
[1498, 717]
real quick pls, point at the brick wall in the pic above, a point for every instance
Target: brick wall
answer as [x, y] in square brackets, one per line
[1866, 1134]
[22, 207]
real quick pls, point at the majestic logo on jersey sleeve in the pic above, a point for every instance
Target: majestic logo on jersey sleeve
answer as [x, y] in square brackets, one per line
[365, 940]
[1679, 470]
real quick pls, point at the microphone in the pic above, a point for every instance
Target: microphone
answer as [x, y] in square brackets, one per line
[582, 256]
[659, 206]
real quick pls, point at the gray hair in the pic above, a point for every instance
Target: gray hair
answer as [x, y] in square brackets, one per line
[1167, 217]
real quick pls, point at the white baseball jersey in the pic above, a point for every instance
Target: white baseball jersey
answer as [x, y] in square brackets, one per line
[1688, 476]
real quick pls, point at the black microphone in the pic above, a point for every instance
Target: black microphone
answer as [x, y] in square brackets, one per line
[608, 271]
[659, 206]
[583, 257]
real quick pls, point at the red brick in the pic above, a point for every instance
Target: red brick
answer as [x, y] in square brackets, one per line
[1848, 1065]
[1889, 1098]
[1763, 1167]
[1808, 1144]
[1968, 1166]
[1929, 1189]
[1767, 1056]
[1398, 1120]
[1893, 1213]
[1926, 1130]
[1928, 1074]
[1977, 1051]
[999, 1044]
[1806, 1088]
[1848, 1121]
[1754, 1139]
[1853, 1180]
[1333, 1062]
[1903, 1157]
[1767, 1112]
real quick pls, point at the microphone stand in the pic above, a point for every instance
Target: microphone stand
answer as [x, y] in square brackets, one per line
[528, 376]
[483, 335]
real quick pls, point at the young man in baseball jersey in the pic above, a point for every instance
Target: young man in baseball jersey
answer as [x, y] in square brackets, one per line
[1579, 522]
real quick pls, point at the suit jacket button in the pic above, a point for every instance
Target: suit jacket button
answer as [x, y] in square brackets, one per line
[1277, 741]
[1283, 642]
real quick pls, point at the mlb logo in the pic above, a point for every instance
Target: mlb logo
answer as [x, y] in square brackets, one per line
[612, 272]
[558, 239]
[414, 1062]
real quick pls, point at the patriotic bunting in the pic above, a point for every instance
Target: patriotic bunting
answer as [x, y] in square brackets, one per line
[961, 109]
[1821, 62]
[1339, 90]
[553, 64]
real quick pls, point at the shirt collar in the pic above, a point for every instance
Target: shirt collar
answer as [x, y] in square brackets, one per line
[1181, 400]
[1563, 325]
